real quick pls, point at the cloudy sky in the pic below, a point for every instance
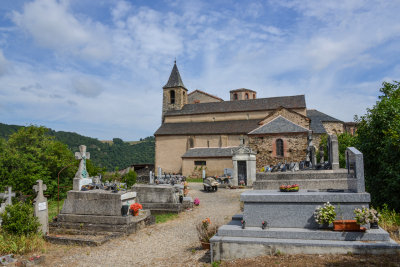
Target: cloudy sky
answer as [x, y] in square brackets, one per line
[97, 67]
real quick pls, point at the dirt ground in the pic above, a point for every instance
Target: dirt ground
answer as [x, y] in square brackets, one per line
[175, 243]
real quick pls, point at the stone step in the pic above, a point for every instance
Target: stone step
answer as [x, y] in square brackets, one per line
[112, 220]
[228, 248]
[301, 233]
[307, 184]
[163, 207]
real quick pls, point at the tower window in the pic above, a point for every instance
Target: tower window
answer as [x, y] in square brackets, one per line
[235, 96]
[246, 96]
[279, 148]
[172, 96]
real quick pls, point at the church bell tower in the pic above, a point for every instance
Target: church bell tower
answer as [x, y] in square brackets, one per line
[174, 92]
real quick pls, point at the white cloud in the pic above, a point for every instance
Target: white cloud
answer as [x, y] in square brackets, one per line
[86, 86]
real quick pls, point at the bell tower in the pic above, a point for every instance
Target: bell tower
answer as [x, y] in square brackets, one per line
[174, 92]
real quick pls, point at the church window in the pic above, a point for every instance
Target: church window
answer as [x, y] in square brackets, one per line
[172, 96]
[279, 147]
[235, 96]
[246, 96]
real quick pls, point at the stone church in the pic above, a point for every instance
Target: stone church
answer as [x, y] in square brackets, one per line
[246, 133]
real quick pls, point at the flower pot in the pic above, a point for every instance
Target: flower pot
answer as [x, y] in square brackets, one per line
[205, 245]
[374, 225]
[124, 210]
[346, 225]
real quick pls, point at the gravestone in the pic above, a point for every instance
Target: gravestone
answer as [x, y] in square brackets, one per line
[203, 174]
[81, 176]
[333, 151]
[8, 197]
[321, 155]
[159, 174]
[355, 163]
[151, 176]
[40, 204]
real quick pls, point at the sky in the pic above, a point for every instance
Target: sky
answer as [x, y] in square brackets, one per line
[97, 68]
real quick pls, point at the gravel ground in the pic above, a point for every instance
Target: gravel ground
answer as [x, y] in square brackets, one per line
[173, 243]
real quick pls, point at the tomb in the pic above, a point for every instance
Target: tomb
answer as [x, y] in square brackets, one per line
[290, 222]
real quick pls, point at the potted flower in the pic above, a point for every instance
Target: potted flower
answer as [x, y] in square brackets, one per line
[205, 231]
[367, 216]
[325, 215]
[134, 209]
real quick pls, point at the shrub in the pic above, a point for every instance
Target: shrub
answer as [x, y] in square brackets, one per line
[325, 214]
[18, 219]
[130, 178]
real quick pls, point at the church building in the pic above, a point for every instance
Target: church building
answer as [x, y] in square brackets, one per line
[246, 133]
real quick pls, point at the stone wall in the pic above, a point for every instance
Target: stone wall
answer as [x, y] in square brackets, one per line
[290, 115]
[215, 166]
[333, 127]
[295, 148]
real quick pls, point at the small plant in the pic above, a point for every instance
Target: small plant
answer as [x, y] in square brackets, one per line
[366, 215]
[205, 230]
[18, 219]
[196, 201]
[289, 188]
[325, 214]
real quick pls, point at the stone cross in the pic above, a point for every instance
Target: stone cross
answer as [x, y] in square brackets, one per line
[82, 155]
[40, 204]
[8, 196]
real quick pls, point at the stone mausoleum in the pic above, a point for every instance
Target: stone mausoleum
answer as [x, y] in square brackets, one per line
[200, 130]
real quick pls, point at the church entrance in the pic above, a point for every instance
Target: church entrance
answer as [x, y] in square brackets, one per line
[242, 172]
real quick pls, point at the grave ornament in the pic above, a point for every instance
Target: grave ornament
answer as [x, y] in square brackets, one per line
[82, 155]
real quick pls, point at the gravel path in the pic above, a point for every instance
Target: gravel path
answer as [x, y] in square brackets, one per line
[173, 243]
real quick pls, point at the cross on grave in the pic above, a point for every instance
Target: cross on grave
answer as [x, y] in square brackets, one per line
[83, 156]
[40, 204]
[8, 196]
[39, 188]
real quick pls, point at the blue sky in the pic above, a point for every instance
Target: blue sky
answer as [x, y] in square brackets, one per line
[97, 67]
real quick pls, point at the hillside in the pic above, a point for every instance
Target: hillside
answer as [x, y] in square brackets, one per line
[105, 154]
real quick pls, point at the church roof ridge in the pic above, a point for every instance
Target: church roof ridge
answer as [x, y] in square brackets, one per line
[210, 95]
[175, 79]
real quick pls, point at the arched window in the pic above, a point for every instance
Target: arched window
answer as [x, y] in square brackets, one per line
[235, 96]
[172, 96]
[279, 148]
[247, 96]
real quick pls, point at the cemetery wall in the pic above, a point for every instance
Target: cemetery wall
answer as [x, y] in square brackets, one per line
[292, 116]
[229, 116]
[333, 127]
[215, 166]
[169, 150]
[294, 146]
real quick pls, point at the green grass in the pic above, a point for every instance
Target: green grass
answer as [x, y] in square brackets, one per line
[389, 218]
[14, 244]
[53, 208]
[194, 180]
[162, 218]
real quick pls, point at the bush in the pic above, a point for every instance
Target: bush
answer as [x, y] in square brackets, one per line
[18, 219]
[129, 178]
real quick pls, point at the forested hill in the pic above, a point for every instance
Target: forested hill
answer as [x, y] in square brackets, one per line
[110, 155]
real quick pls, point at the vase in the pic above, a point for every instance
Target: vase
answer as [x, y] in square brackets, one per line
[205, 245]
[324, 226]
[346, 225]
[374, 225]
[124, 210]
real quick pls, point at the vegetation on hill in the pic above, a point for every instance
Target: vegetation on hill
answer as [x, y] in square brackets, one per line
[108, 155]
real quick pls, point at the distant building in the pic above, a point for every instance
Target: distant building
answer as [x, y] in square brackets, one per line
[201, 130]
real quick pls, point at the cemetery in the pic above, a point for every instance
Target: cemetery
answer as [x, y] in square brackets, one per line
[289, 222]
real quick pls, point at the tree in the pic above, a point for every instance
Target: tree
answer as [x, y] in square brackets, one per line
[129, 178]
[29, 155]
[378, 138]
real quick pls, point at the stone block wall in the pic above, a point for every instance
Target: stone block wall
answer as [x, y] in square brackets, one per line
[295, 149]
[333, 127]
[290, 115]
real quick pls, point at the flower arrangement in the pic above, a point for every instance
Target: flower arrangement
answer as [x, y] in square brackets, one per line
[325, 214]
[366, 215]
[241, 182]
[135, 207]
[289, 188]
[205, 230]
[196, 201]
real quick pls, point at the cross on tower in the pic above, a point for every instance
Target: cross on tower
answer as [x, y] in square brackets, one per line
[82, 155]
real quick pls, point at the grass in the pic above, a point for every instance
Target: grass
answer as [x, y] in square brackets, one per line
[162, 218]
[53, 208]
[390, 221]
[14, 244]
[194, 180]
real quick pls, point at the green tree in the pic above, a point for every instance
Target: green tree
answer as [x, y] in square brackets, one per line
[378, 138]
[29, 155]
[129, 178]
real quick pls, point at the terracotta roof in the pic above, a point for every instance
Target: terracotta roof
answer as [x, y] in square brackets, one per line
[174, 79]
[297, 101]
[317, 118]
[279, 125]
[209, 152]
[202, 92]
[242, 90]
[218, 127]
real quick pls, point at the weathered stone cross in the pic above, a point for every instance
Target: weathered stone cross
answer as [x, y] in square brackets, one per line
[8, 195]
[39, 188]
[82, 155]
